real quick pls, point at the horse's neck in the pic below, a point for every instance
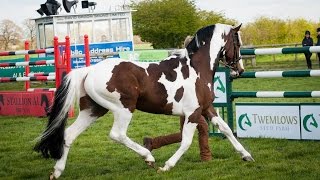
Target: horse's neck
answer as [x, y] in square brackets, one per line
[201, 62]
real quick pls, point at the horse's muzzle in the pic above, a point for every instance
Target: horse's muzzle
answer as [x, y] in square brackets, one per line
[235, 74]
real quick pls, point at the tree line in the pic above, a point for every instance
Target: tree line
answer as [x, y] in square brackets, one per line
[265, 30]
[166, 23]
[12, 36]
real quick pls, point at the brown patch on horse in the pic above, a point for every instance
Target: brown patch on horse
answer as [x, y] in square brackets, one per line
[166, 67]
[172, 76]
[87, 103]
[201, 63]
[141, 90]
[179, 94]
[201, 60]
[127, 79]
[229, 46]
[224, 37]
[205, 96]
[232, 46]
[185, 71]
[195, 116]
[185, 68]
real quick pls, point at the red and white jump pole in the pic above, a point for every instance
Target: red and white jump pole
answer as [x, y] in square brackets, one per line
[27, 68]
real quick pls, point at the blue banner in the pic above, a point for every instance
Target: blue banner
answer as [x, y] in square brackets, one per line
[104, 47]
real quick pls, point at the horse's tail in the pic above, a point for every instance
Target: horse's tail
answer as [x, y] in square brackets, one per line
[52, 139]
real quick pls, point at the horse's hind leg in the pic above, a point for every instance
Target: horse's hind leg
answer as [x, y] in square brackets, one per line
[122, 118]
[225, 129]
[89, 112]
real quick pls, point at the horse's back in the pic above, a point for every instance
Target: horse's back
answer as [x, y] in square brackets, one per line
[159, 88]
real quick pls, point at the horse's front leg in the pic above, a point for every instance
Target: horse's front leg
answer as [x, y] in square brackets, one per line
[189, 127]
[225, 129]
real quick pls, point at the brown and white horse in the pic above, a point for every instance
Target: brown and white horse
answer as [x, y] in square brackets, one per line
[180, 85]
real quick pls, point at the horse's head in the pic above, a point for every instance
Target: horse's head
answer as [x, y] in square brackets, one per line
[221, 40]
[231, 51]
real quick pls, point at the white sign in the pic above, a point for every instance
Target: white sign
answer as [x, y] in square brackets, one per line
[270, 121]
[220, 88]
[310, 121]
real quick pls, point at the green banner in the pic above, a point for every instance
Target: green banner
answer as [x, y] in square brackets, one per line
[19, 71]
[144, 55]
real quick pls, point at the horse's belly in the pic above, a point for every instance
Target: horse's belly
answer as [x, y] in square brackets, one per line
[160, 103]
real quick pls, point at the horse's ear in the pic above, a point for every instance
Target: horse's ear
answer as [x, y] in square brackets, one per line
[237, 28]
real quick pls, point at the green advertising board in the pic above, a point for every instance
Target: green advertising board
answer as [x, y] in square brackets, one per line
[19, 71]
[144, 55]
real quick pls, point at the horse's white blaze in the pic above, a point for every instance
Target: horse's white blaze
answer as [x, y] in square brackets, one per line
[239, 37]
[217, 42]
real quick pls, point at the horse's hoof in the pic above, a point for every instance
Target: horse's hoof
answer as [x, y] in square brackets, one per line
[160, 170]
[150, 164]
[248, 158]
[51, 177]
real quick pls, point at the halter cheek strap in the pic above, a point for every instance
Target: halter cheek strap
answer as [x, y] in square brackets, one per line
[237, 59]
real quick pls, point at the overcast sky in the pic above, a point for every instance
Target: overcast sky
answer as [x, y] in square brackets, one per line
[242, 10]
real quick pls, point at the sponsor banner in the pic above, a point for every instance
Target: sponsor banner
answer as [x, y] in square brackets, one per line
[25, 103]
[98, 48]
[310, 121]
[144, 55]
[268, 120]
[19, 71]
[220, 87]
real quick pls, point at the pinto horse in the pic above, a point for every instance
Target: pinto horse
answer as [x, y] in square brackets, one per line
[179, 85]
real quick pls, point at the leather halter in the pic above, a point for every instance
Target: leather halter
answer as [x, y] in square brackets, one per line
[236, 56]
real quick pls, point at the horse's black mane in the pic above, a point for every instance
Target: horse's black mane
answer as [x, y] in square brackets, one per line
[199, 37]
